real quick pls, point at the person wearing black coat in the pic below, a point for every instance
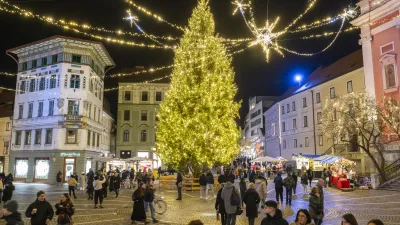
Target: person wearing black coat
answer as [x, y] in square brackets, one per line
[105, 185]
[243, 188]
[149, 197]
[273, 214]
[221, 179]
[59, 178]
[203, 184]
[138, 213]
[40, 211]
[90, 188]
[210, 184]
[294, 176]
[220, 206]
[116, 184]
[178, 183]
[251, 199]
[8, 191]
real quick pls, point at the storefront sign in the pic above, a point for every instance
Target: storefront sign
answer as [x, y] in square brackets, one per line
[70, 154]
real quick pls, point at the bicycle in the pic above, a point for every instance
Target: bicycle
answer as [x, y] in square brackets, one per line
[160, 206]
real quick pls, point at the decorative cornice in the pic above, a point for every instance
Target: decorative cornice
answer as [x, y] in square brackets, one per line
[365, 39]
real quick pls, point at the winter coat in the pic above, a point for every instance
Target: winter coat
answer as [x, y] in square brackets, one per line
[278, 181]
[90, 186]
[226, 196]
[8, 192]
[275, 220]
[90, 175]
[179, 179]
[219, 203]
[149, 194]
[44, 211]
[139, 175]
[111, 180]
[83, 180]
[288, 182]
[14, 219]
[310, 174]
[251, 199]
[210, 178]
[138, 213]
[304, 179]
[297, 223]
[315, 207]
[58, 178]
[261, 188]
[221, 179]
[321, 192]
[98, 184]
[72, 181]
[64, 212]
[203, 180]
[294, 176]
[243, 188]
[116, 183]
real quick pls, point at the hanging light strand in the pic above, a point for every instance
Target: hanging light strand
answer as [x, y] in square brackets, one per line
[143, 82]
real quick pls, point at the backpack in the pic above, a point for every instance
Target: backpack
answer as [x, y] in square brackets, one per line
[235, 199]
[288, 182]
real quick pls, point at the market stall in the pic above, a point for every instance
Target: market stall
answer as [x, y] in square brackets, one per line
[306, 161]
[340, 168]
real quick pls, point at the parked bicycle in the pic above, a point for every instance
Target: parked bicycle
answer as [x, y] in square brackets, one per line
[160, 205]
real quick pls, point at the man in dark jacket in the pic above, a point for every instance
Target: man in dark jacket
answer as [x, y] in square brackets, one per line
[288, 182]
[222, 178]
[274, 215]
[116, 184]
[11, 214]
[278, 187]
[320, 186]
[203, 184]
[40, 212]
[210, 184]
[8, 191]
[179, 181]
[149, 200]
[294, 176]
[220, 206]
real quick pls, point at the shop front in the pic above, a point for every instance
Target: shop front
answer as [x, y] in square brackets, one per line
[2, 163]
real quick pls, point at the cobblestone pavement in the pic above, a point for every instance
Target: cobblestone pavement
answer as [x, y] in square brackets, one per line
[365, 205]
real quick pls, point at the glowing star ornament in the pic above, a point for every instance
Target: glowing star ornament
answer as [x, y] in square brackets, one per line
[239, 6]
[133, 19]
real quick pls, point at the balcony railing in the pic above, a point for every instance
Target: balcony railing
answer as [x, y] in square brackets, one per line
[73, 118]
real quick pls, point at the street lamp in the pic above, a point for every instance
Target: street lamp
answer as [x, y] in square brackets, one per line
[298, 78]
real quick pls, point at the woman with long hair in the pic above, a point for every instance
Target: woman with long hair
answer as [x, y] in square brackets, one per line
[303, 217]
[315, 207]
[349, 219]
[138, 213]
[65, 209]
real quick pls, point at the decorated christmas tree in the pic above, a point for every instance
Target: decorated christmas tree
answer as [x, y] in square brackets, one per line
[197, 126]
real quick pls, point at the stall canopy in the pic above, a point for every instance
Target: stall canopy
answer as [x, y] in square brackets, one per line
[280, 159]
[329, 159]
[264, 159]
[306, 156]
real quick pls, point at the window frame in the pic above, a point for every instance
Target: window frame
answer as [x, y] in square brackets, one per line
[288, 108]
[319, 118]
[44, 61]
[294, 123]
[30, 110]
[75, 81]
[305, 121]
[51, 108]
[48, 140]
[156, 95]
[318, 97]
[306, 142]
[53, 81]
[18, 137]
[40, 109]
[143, 117]
[127, 113]
[143, 135]
[294, 143]
[351, 85]
[332, 92]
[283, 127]
[38, 141]
[28, 138]
[147, 96]
[125, 136]
[67, 135]
[42, 84]
[125, 95]
[284, 144]
[74, 58]
[304, 102]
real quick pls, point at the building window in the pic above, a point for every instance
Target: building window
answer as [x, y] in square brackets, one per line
[98, 140]
[307, 143]
[284, 144]
[93, 138]
[22, 87]
[304, 102]
[287, 108]
[273, 129]
[49, 137]
[94, 113]
[88, 138]
[44, 61]
[38, 137]
[332, 92]
[319, 117]
[294, 124]
[20, 111]
[127, 96]
[143, 136]
[30, 110]
[91, 85]
[125, 154]
[32, 85]
[127, 115]
[51, 107]
[76, 58]
[75, 81]
[293, 106]
[54, 59]
[8, 126]
[143, 116]
[6, 147]
[390, 76]
[321, 140]
[40, 109]
[145, 96]
[53, 80]
[318, 97]
[71, 136]
[305, 122]
[158, 96]
[98, 116]
[18, 138]
[73, 107]
[295, 143]
[24, 66]
[28, 137]
[126, 135]
[349, 86]
[283, 109]
[42, 84]
[34, 63]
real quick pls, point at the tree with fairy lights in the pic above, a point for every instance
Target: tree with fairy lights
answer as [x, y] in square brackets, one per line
[356, 120]
[197, 126]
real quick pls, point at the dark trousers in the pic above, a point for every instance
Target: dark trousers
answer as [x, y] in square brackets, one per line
[71, 189]
[288, 196]
[104, 192]
[251, 220]
[116, 192]
[309, 181]
[98, 196]
[231, 219]
[179, 192]
[90, 193]
[279, 193]
[294, 188]
[223, 218]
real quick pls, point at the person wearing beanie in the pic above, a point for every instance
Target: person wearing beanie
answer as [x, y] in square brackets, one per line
[10, 213]
[273, 214]
[40, 211]
[8, 191]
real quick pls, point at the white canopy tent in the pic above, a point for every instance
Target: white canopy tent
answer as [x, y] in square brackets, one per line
[264, 159]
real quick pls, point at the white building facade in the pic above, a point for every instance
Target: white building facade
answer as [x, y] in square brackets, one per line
[59, 123]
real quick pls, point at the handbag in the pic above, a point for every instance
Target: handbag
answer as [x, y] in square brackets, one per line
[235, 199]
[239, 211]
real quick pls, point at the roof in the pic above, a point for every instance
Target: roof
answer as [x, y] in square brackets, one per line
[98, 46]
[321, 75]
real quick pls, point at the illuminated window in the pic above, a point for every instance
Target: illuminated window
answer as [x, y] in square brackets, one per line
[75, 81]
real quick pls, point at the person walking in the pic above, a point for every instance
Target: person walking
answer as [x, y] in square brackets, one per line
[139, 176]
[349, 219]
[220, 205]
[71, 185]
[8, 192]
[83, 181]
[138, 213]
[261, 188]
[65, 209]
[288, 183]
[90, 188]
[273, 214]
[226, 194]
[294, 176]
[98, 191]
[203, 184]
[303, 218]
[310, 175]
[105, 185]
[131, 177]
[149, 200]
[320, 186]
[10, 213]
[304, 183]
[279, 187]
[315, 207]
[40, 211]
[116, 184]
[243, 188]
[251, 199]
[178, 183]
[59, 178]
[210, 184]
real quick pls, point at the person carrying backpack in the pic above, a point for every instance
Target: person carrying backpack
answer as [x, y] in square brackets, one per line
[279, 187]
[288, 182]
[10, 213]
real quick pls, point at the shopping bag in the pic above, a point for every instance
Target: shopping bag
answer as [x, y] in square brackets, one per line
[294, 197]
[217, 216]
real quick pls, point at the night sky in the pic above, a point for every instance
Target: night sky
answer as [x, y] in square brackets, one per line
[254, 76]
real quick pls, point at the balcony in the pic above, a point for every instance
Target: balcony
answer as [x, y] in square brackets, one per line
[73, 118]
[72, 121]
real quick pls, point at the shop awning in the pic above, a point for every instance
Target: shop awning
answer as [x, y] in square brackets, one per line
[280, 158]
[322, 157]
[331, 159]
[264, 159]
[306, 156]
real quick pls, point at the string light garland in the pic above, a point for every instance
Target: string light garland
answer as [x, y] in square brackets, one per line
[7, 74]
[8, 89]
[139, 83]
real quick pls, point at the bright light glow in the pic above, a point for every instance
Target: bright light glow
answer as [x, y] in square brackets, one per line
[298, 78]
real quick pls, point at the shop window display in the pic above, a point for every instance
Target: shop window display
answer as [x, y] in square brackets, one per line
[21, 168]
[69, 168]
[42, 169]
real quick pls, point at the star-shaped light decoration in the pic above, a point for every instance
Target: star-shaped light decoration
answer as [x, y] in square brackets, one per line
[132, 19]
[239, 6]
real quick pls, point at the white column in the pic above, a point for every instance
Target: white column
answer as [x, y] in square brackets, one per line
[368, 65]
